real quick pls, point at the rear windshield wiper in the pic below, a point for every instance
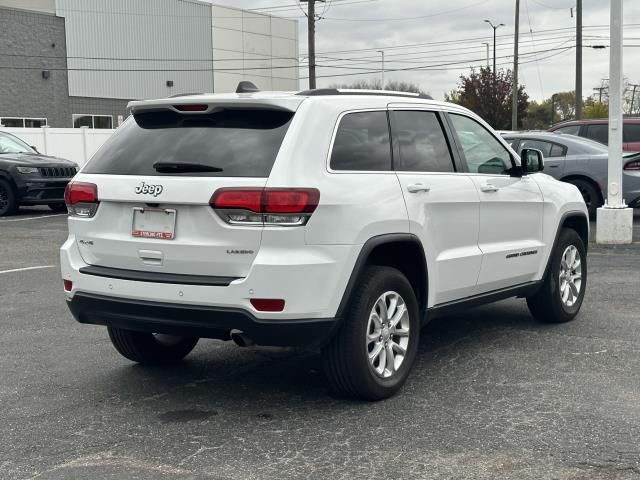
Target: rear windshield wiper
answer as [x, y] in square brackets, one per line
[184, 167]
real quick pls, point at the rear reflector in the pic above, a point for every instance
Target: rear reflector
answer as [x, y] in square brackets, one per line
[191, 108]
[267, 304]
[266, 206]
[81, 199]
[68, 285]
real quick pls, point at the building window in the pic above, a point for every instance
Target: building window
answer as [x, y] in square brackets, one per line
[92, 121]
[18, 122]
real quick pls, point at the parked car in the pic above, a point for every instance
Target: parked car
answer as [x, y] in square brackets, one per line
[30, 178]
[598, 130]
[335, 220]
[582, 162]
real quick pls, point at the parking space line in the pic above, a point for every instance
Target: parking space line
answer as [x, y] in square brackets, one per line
[40, 267]
[32, 218]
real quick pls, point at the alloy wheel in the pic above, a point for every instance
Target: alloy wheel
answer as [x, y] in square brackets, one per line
[570, 276]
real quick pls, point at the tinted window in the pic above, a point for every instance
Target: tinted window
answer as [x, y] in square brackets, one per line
[632, 132]
[243, 143]
[362, 143]
[423, 146]
[548, 149]
[482, 151]
[599, 133]
[570, 130]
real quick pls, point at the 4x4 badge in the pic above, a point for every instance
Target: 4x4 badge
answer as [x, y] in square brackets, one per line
[154, 190]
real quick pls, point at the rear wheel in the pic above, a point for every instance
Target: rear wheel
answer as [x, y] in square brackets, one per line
[562, 292]
[590, 194]
[151, 348]
[372, 354]
[57, 207]
[8, 199]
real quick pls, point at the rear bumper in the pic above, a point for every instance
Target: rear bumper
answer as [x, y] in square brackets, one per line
[198, 321]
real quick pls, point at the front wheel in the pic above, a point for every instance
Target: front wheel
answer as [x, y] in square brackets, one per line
[151, 348]
[372, 354]
[8, 199]
[562, 292]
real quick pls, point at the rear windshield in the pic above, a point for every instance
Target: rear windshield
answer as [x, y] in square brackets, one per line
[238, 143]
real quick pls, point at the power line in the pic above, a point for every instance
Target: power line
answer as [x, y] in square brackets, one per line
[402, 19]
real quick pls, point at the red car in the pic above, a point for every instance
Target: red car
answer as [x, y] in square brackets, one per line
[598, 130]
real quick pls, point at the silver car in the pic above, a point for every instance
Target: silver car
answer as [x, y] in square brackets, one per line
[582, 162]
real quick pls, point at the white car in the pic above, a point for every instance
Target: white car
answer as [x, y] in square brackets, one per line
[335, 220]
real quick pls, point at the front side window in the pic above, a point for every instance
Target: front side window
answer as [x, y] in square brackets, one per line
[362, 143]
[599, 133]
[632, 132]
[482, 151]
[422, 143]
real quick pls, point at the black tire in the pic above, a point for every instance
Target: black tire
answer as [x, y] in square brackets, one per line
[547, 305]
[590, 194]
[151, 349]
[346, 358]
[8, 199]
[57, 207]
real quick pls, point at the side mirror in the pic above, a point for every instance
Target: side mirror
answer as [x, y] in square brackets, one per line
[532, 160]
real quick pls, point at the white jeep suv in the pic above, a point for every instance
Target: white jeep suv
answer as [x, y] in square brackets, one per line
[336, 220]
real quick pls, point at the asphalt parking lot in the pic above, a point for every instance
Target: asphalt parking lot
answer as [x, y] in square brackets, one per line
[493, 393]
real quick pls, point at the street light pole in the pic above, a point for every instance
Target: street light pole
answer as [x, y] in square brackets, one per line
[514, 104]
[615, 219]
[382, 53]
[495, 27]
[579, 60]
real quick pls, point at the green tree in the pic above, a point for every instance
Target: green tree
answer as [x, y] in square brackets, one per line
[493, 102]
[595, 109]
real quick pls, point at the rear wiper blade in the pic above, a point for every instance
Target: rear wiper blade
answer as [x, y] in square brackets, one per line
[184, 167]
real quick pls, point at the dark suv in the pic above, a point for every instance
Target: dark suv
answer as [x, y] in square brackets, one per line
[29, 178]
[598, 130]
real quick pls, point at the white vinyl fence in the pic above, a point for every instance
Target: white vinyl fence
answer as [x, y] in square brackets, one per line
[75, 144]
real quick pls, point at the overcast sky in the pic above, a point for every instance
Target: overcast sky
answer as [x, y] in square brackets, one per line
[453, 31]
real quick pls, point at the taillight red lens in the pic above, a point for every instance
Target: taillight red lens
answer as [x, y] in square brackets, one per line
[80, 192]
[293, 200]
[238, 198]
[267, 304]
[635, 165]
[68, 285]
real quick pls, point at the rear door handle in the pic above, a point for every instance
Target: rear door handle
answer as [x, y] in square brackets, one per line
[488, 188]
[417, 188]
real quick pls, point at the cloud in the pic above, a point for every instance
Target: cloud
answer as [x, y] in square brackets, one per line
[442, 27]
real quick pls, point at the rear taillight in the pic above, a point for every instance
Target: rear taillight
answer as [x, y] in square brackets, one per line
[634, 165]
[265, 206]
[81, 199]
[267, 304]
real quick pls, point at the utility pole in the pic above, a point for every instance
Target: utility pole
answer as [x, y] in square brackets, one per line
[615, 219]
[633, 97]
[514, 105]
[600, 90]
[487, 45]
[311, 29]
[382, 52]
[579, 59]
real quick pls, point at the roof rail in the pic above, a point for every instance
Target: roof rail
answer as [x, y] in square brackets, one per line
[319, 92]
[184, 95]
[247, 87]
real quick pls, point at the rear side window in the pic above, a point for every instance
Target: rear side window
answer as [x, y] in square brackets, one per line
[548, 149]
[569, 130]
[362, 143]
[631, 132]
[241, 143]
[598, 132]
[422, 144]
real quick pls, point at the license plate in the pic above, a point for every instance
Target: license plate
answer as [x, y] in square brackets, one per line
[157, 223]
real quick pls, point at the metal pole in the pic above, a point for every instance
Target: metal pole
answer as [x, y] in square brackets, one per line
[487, 45]
[311, 24]
[382, 52]
[614, 190]
[494, 55]
[579, 60]
[514, 105]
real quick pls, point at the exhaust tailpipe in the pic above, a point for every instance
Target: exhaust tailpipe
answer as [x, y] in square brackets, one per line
[241, 339]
